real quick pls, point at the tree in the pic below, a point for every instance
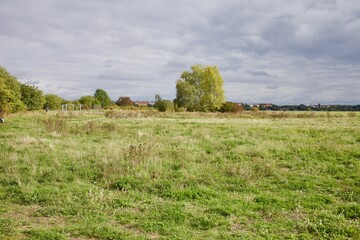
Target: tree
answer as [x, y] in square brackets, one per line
[201, 89]
[103, 97]
[53, 102]
[32, 97]
[124, 101]
[186, 96]
[163, 105]
[89, 101]
[10, 95]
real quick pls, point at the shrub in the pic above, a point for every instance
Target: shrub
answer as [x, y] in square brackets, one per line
[165, 106]
[237, 108]
[231, 107]
[255, 109]
[179, 109]
[124, 101]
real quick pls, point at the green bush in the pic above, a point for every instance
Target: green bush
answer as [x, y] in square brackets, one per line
[165, 106]
[231, 107]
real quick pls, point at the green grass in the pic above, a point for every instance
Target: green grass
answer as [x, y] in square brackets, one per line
[149, 175]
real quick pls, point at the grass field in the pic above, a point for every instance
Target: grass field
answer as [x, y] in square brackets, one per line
[149, 175]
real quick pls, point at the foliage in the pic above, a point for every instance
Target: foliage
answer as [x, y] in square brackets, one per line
[10, 95]
[201, 89]
[227, 107]
[163, 105]
[103, 97]
[303, 107]
[89, 101]
[254, 109]
[179, 109]
[32, 97]
[186, 96]
[231, 107]
[124, 101]
[53, 102]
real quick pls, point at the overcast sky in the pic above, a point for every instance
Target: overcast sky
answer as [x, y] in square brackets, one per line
[278, 51]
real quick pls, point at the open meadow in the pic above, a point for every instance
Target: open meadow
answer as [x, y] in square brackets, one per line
[152, 175]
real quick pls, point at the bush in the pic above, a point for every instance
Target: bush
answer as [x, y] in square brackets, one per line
[255, 109]
[231, 107]
[179, 109]
[124, 101]
[165, 106]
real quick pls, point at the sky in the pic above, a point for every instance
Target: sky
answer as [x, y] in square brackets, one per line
[274, 51]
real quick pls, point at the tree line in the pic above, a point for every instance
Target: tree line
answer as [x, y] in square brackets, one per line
[317, 107]
[200, 89]
[16, 96]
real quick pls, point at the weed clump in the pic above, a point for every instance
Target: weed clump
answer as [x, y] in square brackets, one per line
[131, 114]
[56, 124]
[350, 211]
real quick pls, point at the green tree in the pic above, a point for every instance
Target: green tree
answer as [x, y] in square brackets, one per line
[32, 97]
[103, 97]
[186, 96]
[201, 89]
[163, 105]
[10, 95]
[89, 101]
[53, 102]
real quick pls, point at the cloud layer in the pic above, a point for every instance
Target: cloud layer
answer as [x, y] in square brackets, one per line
[284, 52]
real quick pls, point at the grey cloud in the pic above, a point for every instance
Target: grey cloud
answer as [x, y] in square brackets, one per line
[354, 16]
[273, 87]
[275, 51]
[256, 73]
[32, 82]
[322, 5]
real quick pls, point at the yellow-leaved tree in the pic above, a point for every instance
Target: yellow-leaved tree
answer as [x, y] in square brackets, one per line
[202, 89]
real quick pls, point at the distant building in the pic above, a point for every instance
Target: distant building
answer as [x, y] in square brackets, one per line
[142, 103]
[265, 105]
[261, 105]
